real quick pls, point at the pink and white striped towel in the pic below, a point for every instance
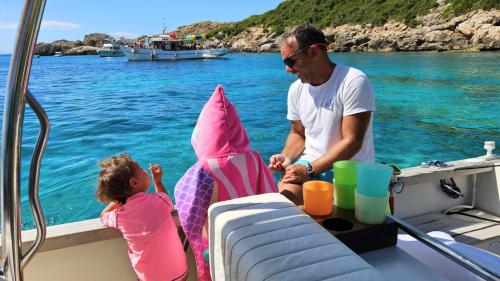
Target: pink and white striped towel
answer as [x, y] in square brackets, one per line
[224, 157]
[223, 149]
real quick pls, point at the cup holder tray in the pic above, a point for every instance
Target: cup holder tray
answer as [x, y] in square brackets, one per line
[358, 236]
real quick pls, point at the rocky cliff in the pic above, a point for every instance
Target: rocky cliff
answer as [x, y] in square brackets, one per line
[474, 31]
[199, 28]
[96, 39]
[91, 43]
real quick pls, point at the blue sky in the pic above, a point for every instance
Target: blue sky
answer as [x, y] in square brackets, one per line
[72, 20]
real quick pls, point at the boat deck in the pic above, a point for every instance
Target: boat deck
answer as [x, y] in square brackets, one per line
[474, 227]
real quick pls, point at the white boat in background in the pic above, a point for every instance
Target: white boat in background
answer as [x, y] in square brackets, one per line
[111, 50]
[58, 54]
[166, 47]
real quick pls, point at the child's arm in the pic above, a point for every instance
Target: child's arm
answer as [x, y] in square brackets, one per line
[157, 173]
[213, 199]
[111, 206]
[108, 215]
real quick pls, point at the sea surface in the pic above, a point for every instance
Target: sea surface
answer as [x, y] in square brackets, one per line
[429, 106]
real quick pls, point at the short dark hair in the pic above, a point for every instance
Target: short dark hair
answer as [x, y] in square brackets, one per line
[113, 183]
[306, 34]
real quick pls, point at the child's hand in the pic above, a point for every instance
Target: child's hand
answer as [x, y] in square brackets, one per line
[156, 171]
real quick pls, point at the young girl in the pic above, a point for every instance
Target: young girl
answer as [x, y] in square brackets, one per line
[226, 169]
[144, 219]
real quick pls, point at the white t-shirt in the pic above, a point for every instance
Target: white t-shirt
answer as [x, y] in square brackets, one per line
[321, 109]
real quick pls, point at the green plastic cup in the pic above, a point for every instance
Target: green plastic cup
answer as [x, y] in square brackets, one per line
[344, 172]
[344, 195]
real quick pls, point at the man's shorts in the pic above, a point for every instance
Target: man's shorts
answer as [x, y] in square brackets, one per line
[325, 176]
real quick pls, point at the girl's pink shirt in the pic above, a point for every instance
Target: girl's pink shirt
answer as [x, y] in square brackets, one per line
[154, 247]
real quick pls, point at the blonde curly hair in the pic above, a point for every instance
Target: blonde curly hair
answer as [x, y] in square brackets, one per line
[113, 182]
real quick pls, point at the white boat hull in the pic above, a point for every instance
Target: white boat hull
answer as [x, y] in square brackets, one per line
[145, 54]
[85, 250]
[110, 53]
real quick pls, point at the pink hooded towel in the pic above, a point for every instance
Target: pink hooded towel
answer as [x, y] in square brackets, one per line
[224, 158]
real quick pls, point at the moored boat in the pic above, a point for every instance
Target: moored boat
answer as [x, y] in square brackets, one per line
[166, 47]
[111, 50]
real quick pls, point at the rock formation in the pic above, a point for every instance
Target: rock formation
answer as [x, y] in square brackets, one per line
[199, 28]
[96, 39]
[474, 31]
[82, 50]
[91, 43]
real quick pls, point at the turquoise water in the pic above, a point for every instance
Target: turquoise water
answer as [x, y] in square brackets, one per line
[429, 106]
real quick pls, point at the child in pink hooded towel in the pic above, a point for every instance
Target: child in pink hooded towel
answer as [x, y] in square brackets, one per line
[226, 169]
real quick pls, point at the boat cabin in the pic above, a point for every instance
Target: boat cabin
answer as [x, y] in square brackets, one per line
[169, 42]
[111, 47]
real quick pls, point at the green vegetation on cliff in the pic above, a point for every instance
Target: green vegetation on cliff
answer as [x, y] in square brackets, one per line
[325, 13]
[458, 7]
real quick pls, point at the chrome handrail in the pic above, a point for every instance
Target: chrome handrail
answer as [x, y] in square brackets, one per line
[14, 106]
[34, 176]
[475, 268]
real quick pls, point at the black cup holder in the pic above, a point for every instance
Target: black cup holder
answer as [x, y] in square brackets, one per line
[337, 224]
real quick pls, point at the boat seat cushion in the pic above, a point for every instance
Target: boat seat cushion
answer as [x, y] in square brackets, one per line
[266, 237]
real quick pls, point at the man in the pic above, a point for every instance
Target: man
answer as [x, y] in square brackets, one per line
[330, 109]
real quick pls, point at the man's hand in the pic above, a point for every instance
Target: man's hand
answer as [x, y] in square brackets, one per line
[279, 162]
[296, 174]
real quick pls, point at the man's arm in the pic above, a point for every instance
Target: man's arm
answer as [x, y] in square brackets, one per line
[353, 133]
[295, 143]
[294, 146]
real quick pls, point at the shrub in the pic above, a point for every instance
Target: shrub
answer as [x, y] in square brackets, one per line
[325, 13]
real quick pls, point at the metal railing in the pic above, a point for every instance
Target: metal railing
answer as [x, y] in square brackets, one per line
[472, 266]
[16, 96]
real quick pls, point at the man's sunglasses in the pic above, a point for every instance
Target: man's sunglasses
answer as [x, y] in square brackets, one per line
[290, 61]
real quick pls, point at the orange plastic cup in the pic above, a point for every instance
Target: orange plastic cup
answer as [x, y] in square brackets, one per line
[318, 197]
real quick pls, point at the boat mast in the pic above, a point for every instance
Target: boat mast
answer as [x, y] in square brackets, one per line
[164, 30]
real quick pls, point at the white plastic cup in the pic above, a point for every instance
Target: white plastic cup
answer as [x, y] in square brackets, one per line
[370, 209]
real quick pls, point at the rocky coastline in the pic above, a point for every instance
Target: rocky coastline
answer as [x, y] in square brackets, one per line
[474, 31]
[89, 46]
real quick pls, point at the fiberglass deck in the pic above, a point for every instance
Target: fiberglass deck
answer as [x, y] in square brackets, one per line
[473, 227]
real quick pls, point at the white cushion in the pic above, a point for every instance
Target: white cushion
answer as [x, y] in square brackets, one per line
[266, 237]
